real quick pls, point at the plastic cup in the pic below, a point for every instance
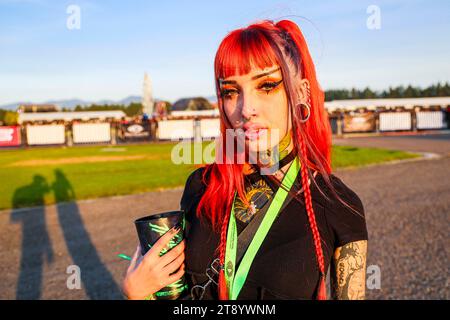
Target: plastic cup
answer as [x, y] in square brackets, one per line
[150, 229]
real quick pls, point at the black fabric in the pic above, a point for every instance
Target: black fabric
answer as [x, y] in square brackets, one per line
[285, 266]
[247, 230]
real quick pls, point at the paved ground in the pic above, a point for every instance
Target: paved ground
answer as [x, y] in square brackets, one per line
[436, 143]
[407, 208]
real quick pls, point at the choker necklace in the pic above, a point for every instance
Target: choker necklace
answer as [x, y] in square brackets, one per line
[260, 190]
[285, 156]
[278, 165]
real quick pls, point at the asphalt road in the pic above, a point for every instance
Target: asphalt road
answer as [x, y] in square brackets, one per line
[434, 143]
[407, 209]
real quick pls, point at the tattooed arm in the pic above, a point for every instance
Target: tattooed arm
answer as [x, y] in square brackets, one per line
[348, 271]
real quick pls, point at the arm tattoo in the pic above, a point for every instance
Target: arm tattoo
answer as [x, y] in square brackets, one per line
[349, 274]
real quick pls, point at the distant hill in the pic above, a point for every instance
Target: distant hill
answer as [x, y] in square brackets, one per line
[72, 103]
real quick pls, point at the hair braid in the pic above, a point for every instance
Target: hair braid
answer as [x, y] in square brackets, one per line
[223, 293]
[321, 294]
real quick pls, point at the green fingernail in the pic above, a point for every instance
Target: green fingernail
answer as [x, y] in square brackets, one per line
[124, 256]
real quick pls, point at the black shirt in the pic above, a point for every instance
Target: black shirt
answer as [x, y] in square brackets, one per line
[285, 266]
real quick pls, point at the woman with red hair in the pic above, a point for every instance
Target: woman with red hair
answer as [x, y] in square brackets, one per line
[268, 218]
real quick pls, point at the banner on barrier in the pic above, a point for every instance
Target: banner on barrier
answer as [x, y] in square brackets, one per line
[9, 136]
[361, 122]
[135, 130]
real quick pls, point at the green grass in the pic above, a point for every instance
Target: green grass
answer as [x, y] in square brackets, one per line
[38, 184]
[348, 156]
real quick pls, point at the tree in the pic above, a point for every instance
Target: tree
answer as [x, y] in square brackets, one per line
[11, 118]
[199, 103]
[133, 109]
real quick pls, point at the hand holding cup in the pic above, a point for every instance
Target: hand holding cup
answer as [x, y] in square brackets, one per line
[152, 272]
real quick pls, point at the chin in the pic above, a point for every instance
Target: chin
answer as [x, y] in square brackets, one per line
[261, 144]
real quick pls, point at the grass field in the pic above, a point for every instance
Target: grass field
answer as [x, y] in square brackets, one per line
[38, 176]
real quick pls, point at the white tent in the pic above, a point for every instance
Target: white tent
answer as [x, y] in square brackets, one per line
[69, 116]
[372, 104]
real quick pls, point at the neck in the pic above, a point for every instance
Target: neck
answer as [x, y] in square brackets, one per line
[283, 148]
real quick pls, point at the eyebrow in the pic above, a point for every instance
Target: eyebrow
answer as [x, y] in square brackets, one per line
[253, 78]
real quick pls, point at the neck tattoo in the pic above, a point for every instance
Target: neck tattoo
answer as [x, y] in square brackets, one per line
[259, 193]
[273, 155]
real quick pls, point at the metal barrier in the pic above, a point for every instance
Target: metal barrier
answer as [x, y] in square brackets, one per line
[175, 129]
[430, 120]
[45, 134]
[210, 128]
[207, 128]
[393, 121]
[91, 132]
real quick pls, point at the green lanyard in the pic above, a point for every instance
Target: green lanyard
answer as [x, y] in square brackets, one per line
[236, 281]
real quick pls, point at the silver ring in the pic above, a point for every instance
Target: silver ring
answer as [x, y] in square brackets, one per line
[309, 111]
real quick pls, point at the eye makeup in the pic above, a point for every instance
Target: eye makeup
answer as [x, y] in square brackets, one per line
[265, 86]
[269, 85]
[228, 92]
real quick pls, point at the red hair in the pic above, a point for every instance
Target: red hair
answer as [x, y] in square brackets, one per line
[265, 44]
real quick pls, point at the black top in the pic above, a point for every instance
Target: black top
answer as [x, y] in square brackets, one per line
[285, 266]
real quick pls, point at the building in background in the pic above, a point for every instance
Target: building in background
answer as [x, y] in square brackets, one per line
[192, 104]
[29, 108]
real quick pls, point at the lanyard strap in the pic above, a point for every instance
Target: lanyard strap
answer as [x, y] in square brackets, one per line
[236, 279]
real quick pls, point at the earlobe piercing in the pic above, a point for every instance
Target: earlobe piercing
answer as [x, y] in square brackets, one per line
[307, 107]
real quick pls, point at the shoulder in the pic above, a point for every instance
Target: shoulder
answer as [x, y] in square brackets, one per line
[195, 177]
[345, 216]
[348, 195]
[194, 183]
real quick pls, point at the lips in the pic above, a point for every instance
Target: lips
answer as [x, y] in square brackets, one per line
[253, 135]
[254, 130]
[253, 126]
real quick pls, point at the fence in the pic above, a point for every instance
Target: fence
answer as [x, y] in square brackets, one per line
[91, 132]
[395, 121]
[45, 134]
[207, 128]
[431, 120]
[10, 136]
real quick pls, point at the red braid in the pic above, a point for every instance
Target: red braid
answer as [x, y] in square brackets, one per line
[223, 292]
[321, 292]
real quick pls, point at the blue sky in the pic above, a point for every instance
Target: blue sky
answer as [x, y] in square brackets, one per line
[175, 42]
